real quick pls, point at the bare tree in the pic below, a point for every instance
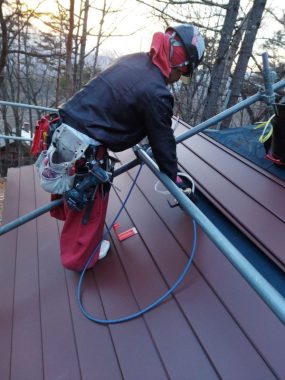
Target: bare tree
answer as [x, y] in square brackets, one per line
[4, 42]
[83, 40]
[253, 25]
[223, 57]
[69, 46]
[99, 36]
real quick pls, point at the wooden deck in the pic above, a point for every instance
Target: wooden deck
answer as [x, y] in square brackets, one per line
[214, 326]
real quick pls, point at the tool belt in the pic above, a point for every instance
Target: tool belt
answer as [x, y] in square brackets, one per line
[74, 165]
[94, 172]
[71, 158]
[56, 165]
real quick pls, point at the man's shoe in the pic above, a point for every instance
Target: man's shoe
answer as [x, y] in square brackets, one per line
[104, 248]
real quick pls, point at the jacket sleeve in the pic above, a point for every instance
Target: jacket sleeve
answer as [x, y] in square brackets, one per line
[158, 125]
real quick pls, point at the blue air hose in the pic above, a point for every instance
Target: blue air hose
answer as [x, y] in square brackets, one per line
[152, 305]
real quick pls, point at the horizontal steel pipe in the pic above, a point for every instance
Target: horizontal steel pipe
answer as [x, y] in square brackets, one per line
[8, 137]
[222, 115]
[228, 112]
[22, 105]
[266, 291]
[129, 165]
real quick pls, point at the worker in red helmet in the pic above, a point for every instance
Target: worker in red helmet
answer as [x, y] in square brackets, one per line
[178, 51]
[125, 103]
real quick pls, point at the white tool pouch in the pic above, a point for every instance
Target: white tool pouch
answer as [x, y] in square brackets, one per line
[55, 166]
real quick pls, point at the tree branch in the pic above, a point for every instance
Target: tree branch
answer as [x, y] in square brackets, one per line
[34, 54]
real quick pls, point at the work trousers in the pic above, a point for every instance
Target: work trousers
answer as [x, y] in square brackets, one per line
[78, 241]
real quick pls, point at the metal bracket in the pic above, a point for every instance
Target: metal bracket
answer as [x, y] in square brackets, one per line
[172, 205]
[268, 99]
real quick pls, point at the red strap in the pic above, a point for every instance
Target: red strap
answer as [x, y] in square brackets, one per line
[277, 161]
[41, 132]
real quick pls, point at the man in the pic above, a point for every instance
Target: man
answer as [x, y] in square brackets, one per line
[125, 103]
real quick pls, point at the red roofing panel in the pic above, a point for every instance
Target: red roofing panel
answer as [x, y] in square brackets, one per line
[214, 326]
[251, 199]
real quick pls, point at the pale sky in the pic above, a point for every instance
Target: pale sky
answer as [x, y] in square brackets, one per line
[133, 18]
[142, 39]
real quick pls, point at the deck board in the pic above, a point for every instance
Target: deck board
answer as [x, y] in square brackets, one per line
[96, 351]
[8, 244]
[168, 261]
[26, 333]
[206, 330]
[226, 282]
[73, 339]
[148, 285]
[134, 346]
[58, 341]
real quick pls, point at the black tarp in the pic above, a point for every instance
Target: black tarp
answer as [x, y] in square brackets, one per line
[244, 141]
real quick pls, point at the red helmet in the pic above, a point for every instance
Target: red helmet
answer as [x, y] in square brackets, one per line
[191, 40]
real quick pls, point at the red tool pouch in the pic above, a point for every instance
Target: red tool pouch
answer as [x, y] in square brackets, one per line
[78, 240]
[42, 132]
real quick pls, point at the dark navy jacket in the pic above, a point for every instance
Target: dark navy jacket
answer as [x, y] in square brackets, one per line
[122, 105]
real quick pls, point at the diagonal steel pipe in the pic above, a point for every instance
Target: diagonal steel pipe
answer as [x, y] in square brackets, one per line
[274, 300]
[49, 206]
[28, 217]
[228, 112]
[200, 127]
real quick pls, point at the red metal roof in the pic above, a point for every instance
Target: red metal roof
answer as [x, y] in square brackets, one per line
[214, 326]
[249, 196]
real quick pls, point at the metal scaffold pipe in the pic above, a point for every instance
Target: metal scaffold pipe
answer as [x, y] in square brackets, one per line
[30, 216]
[228, 112]
[200, 127]
[49, 206]
[8, 137]
[266, 291]
[206, 124]
[268, 76]
[22, 105]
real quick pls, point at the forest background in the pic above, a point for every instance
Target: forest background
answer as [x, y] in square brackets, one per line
[49, 49]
